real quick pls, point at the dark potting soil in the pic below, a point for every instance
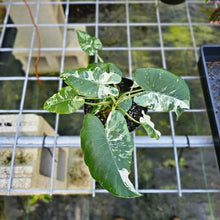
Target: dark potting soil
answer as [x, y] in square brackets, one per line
[134, 111]
[172, 2]
[214, 79]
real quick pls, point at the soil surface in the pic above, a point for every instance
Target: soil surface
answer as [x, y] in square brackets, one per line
[134, 111]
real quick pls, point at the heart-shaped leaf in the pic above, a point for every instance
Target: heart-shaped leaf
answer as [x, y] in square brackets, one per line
[88, 43]
[108, 153]
[93, 82]
[148, 125]
[64, 102]
[164, 91]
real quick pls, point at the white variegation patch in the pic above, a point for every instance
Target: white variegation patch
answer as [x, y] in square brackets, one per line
[104, 90]
[161, 102]
[93, 82]
[149, 126]
[119, 138]
[124, 176]
[109, 78]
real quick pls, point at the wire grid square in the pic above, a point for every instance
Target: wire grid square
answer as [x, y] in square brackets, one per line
[143, 21]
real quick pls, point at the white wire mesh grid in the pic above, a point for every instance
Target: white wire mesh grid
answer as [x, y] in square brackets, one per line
[173, 141]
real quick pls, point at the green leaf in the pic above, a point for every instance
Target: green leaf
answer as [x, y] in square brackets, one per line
[126, 104]
[33, 199]
[64, 102]
[164, 91]
[88, 43]
[106, 67]
[93, 82]
[148, 125]
[108, 153]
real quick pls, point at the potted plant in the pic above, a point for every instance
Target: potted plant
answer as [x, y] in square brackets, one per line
[214, 17]
[172, 2]
[107, 144]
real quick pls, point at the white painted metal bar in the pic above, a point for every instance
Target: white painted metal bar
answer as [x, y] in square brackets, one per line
[140, 142]
[160, 37]
[22, 102]
[128, 39]
[59, 87]
[102, 191]
[170, 113]
[52, 78]
[4, 26]
[81, 111]
[130, 75]
[191, 31]
[96, 60]
[105, 49]
[162, 24]
[175, 154]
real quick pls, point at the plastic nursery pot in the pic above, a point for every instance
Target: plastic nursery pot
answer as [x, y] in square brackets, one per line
[134, 111]
[209, 68]
[173, 2]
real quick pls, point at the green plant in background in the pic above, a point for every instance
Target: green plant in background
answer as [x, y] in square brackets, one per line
[214, 17]
[108, 145]
[44, 198]
[35, 199]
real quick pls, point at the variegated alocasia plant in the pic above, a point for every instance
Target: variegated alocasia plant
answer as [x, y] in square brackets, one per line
[108, 148]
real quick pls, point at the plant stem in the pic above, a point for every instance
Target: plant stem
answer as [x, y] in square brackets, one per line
[121, 109]
[133, 91]
[122, 98]
[129, 96]
[98, 103]
[101, 60]
[113, 99]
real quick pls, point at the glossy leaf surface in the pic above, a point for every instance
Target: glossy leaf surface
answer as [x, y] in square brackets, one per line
[106, 67]
[164, 91]
[126, 104]
[92, 83]
[108, 153]
[148, 125]
[64, 102]
[88, 43]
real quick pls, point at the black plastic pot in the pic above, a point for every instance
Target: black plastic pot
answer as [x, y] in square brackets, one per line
[209, 68]
[134, 111]
[172, 2]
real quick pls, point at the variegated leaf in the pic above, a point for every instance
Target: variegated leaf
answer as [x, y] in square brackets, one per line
[88, 43]
[64, 102]
[164, 91]
[108, 153]
[92, 83]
